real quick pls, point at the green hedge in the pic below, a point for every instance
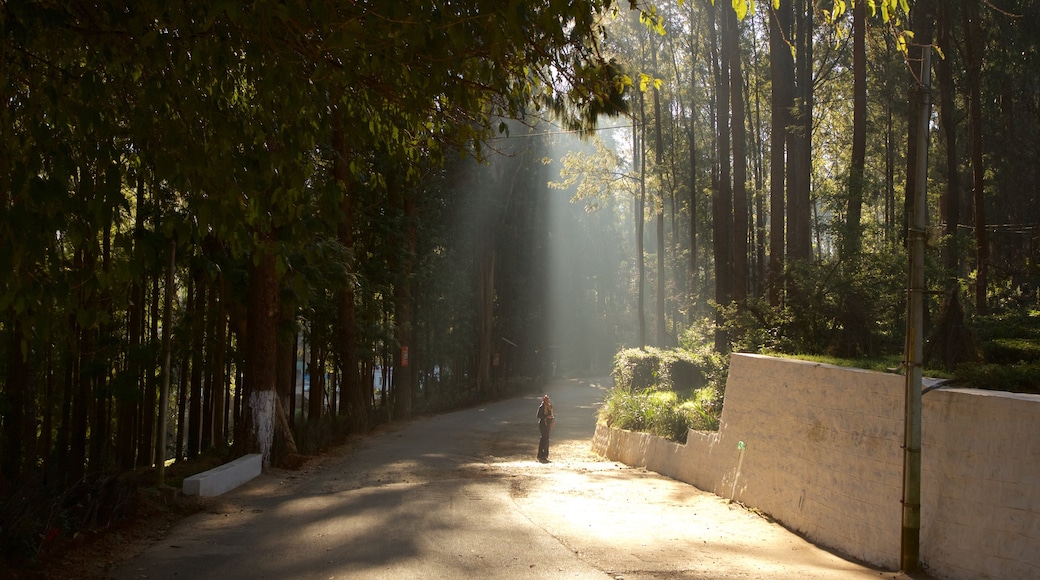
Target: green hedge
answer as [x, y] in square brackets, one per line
[1011, 351]
[678, 370]
[666, 393]
[1020, 377]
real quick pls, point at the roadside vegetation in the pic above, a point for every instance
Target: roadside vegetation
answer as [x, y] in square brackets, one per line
[669, 392]
[191, 272]
[666, 392]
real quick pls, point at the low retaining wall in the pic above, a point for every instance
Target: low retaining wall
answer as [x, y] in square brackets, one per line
[223, 478]
[818, 448]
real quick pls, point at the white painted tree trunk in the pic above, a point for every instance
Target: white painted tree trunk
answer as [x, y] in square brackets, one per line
[261, 408]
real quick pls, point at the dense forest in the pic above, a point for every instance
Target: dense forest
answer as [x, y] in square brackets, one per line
[234, 227]
[771, 160]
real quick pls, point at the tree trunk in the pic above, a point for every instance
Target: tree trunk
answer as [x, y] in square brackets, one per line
[485, 309]
[150, 400]
[852, 241]
[16, 389]
[284, 441]
[357, 395]
[81, 407]
[167, 370]
[198, 340]
[951, 343]
[63, 448]
[46, 447]
[950, 202]
[973, 55]
[722, 196]
[694, 197]
[297, 391]
[316, 392]
[182, 383]
[101, 444]
[853, 338]
[662, 335]
[332, 388]
[799, 135]
[128, 432]
[404, 320]
[691, 290]
[639, 158]
[781, 74]
[731, 37]
[219, 378]
[261, 352]
[286, 354]
[890, 167]
[760, 278]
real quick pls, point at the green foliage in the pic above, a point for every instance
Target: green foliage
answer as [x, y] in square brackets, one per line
[1008, 325]
[663, 413]
[666, 393]
[840, 308]
[703, 411]
[207, 127]
[678, 370]
[635, 369]
[758, 327]
[1011, 350]
[1010, 344]
[1019, 377]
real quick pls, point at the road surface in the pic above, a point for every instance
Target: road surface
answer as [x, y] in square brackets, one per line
[462, 495]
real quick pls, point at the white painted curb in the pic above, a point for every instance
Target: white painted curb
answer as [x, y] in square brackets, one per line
[224, 478]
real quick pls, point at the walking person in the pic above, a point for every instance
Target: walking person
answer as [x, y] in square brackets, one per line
[545, 423]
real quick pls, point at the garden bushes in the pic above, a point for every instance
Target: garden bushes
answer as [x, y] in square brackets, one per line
[1010, 346]
[666, 392]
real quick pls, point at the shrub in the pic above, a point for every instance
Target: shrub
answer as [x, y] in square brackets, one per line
[1015, 324]
[843, 307]
[636, 369]
[1011, 350]
[1018, 378]
[681, 370]
[1010, 345]
[666, 393]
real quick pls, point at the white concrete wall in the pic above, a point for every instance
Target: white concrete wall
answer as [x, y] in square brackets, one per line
[818, 448]
[223, 478]
[981, 483]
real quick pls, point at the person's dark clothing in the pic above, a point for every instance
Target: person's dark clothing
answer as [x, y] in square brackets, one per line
[545, 423]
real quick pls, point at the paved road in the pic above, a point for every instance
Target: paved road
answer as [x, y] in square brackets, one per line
[462, 496]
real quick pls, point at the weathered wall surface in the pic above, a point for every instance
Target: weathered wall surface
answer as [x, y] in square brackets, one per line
[819, 449]
[981, 484]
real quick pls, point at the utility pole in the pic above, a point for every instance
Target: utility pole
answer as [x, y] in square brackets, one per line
[910, 545]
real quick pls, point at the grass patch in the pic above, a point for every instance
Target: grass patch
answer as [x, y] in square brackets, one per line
[882, 364]
[1017, 378]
